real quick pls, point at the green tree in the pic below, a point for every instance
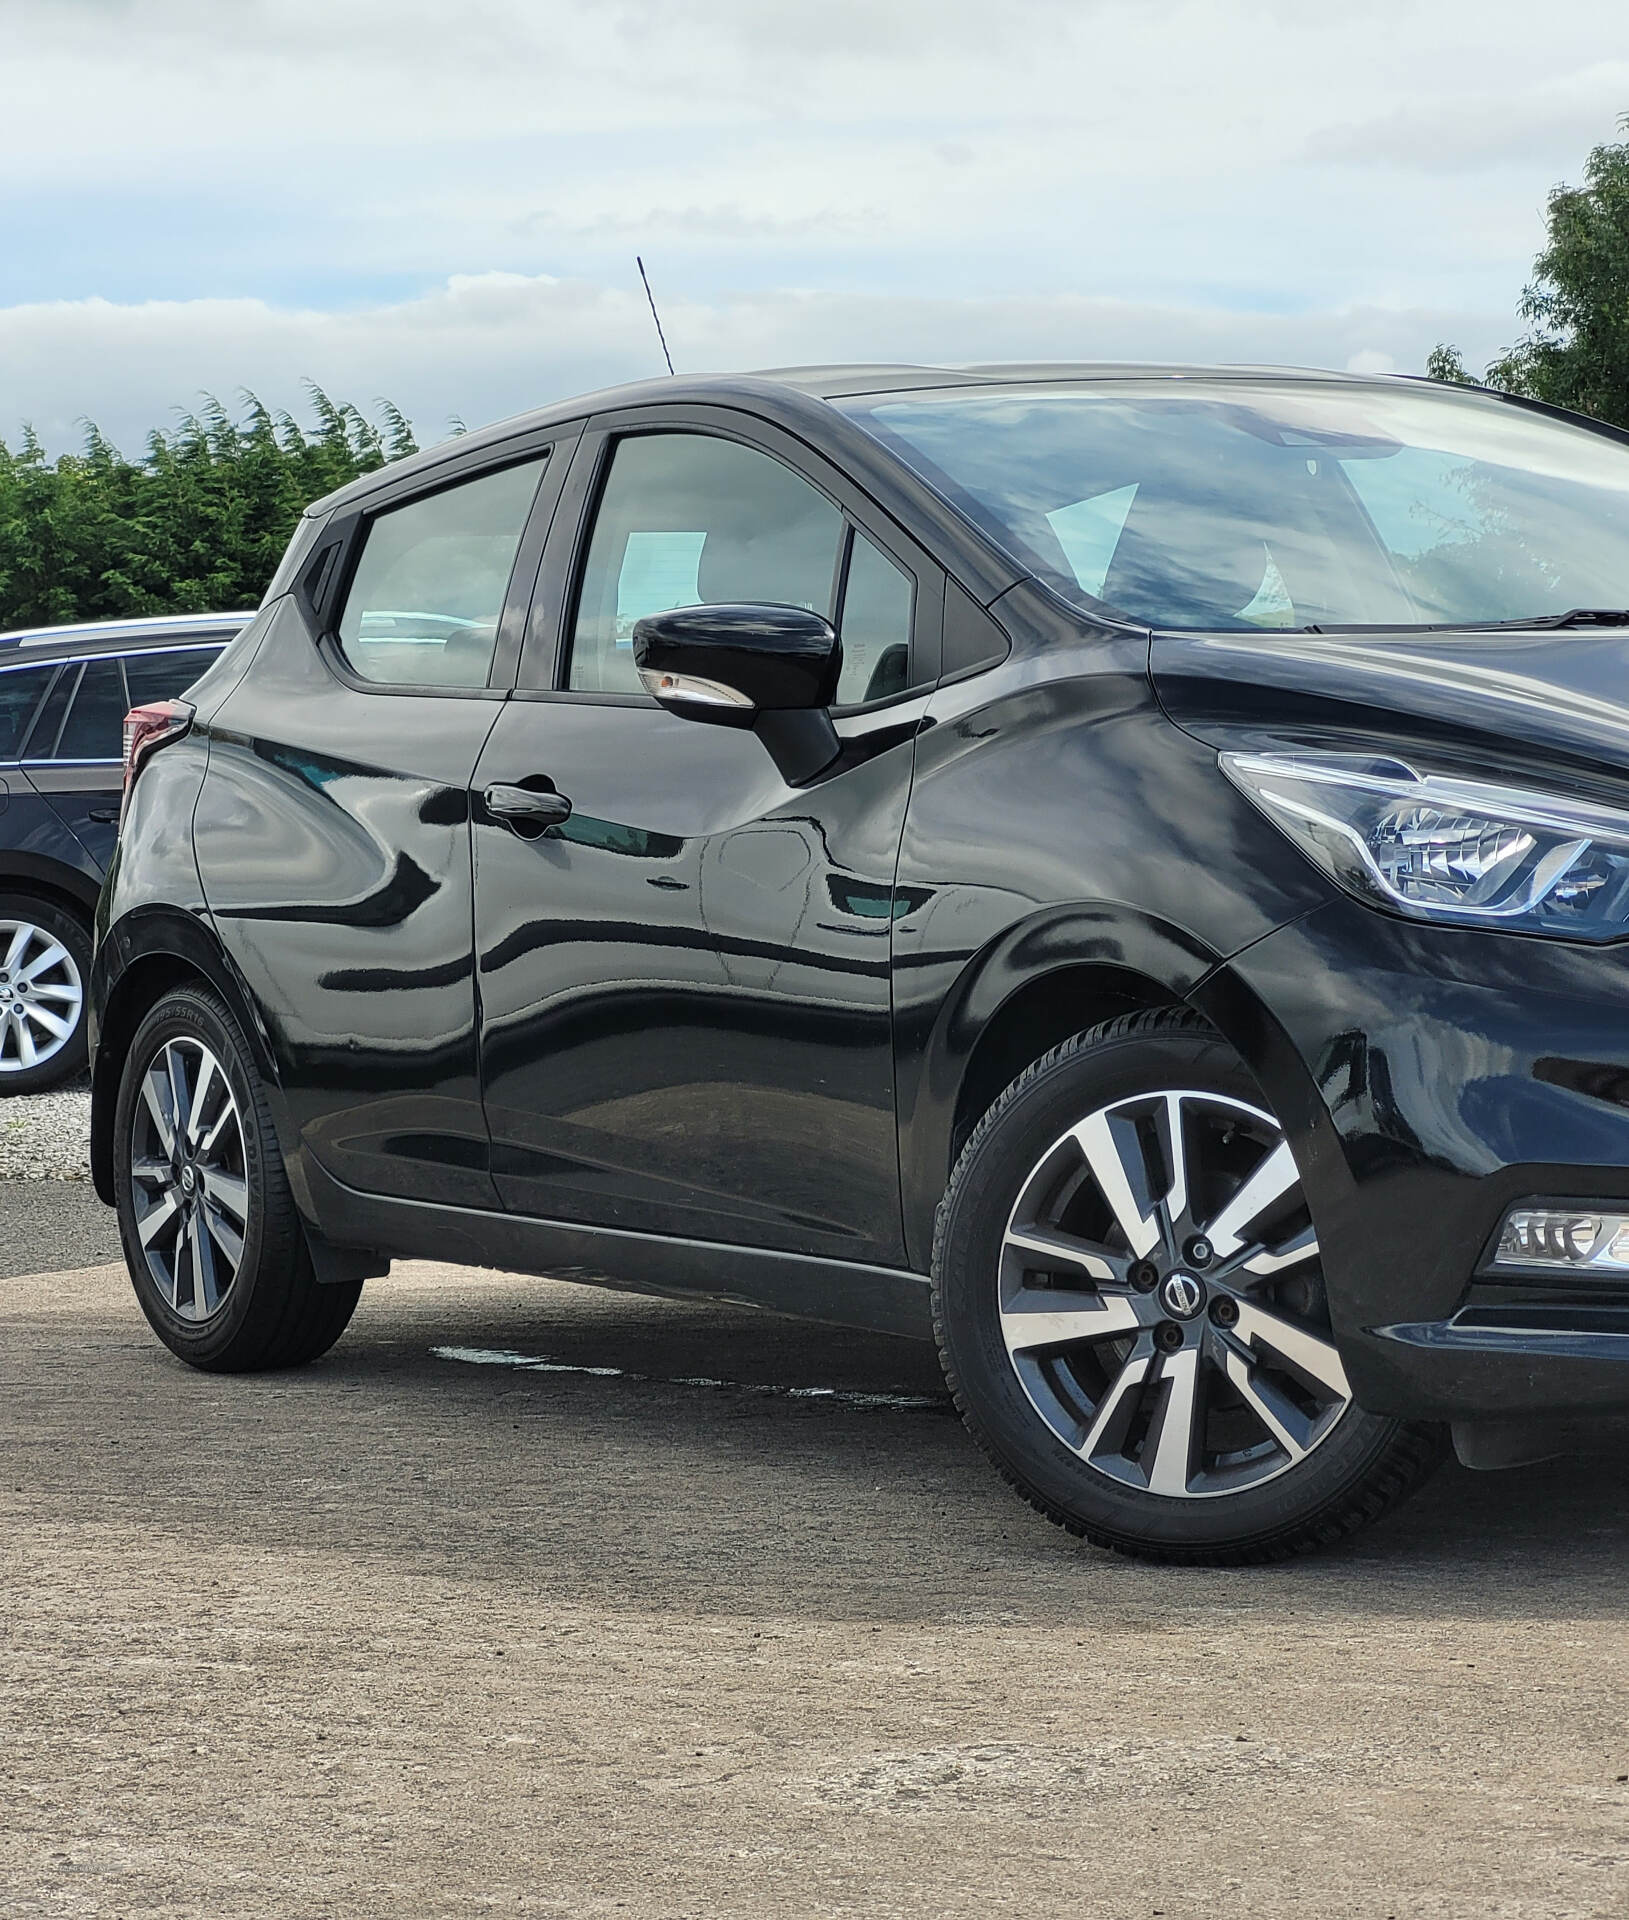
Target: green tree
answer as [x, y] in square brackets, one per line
[1576, 352]
[198, 522]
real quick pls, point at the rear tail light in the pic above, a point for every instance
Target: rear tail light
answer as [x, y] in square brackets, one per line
[146, 729]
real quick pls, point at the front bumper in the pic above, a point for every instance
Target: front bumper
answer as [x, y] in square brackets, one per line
[1431, 1078]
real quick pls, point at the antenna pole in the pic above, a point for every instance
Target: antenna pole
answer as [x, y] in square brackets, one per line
[651, 297]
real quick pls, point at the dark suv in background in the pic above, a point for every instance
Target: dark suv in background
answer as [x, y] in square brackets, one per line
[1124, 870]
[64, 693]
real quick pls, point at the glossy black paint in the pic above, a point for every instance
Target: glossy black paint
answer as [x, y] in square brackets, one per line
[778, 658]
[720, 1032]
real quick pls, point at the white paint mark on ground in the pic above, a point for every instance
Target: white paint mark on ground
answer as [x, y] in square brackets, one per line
[839, 1396]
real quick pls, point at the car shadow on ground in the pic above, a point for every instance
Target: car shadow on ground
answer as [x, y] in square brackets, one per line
[620, 1451]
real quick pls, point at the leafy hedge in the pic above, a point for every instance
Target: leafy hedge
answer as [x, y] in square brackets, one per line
[198, 523]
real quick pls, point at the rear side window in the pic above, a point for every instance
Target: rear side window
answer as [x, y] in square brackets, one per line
[166, 676]
[95, 725]
[20, 693]
[83, 719]
[424, 602]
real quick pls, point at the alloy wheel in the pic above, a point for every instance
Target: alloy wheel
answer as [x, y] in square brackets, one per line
[189, 1186]
[1161, 1297]
[41, 996]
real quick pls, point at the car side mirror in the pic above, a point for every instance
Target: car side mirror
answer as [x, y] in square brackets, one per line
[771, 668]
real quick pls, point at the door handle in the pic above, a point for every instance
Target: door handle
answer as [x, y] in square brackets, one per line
[104, 816]
[525, 806]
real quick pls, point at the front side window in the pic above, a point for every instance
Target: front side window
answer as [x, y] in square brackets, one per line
[424, 602]
[20, 693]
[1244, 504]
[687, 520]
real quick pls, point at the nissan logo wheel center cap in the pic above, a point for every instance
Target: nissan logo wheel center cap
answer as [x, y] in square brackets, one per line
[1181, 1295]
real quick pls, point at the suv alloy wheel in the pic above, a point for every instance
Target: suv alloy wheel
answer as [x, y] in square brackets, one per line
[44, 964]
[1130, 1308]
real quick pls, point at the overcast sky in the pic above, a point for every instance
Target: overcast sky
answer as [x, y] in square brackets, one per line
[439, 201]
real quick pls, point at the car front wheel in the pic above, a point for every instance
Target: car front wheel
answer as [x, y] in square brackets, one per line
[214, 1245]
[1130, 1308]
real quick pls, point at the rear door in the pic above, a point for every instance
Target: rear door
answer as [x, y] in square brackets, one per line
[684, 988]
[333, 829]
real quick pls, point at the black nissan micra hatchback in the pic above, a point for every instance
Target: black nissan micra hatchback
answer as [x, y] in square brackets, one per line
[1124, 871]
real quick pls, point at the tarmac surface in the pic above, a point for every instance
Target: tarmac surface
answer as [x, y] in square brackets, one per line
[532, 1599]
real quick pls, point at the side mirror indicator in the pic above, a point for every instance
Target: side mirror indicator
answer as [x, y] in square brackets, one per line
[771, 668]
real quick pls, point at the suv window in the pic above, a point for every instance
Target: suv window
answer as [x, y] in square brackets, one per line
[686, 520]
[20, 692]
[167, 675]
[95, 723]
[84, 717]
[424, 602]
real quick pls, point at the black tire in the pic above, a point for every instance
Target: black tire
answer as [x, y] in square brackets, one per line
[68, 1056]
[273, 1312]
[1359, 1465]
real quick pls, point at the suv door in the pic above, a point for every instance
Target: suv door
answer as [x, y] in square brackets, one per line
[684, 987]
[333, 829]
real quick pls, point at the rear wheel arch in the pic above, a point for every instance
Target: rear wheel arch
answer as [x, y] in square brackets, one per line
[150, 973]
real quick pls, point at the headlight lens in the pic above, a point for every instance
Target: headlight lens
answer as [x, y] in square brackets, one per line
[1442, 848]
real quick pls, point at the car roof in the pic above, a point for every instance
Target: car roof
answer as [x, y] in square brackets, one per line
[790, 394]
[84, 637]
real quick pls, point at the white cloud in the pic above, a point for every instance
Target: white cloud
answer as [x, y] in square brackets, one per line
[488, 345]
[269, 188]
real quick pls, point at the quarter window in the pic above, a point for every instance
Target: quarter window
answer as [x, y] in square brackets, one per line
[875, 625]
[20, 692]
[96, 720]
[688, 520]
[429, 588]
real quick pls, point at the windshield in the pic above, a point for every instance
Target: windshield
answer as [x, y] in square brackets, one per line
[1236, 504]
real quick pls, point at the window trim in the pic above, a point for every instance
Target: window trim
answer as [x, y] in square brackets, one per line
[545, 656]
[338, 554]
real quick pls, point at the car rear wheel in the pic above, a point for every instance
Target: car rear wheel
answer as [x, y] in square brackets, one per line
[44, 964]
[214, 1245]
[1130, 1308]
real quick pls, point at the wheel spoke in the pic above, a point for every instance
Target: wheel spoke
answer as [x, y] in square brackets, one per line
[1174, 1437]
[56, 990]
[154, 1091]
[1175, 1203]
[1270, 1181]
[1114, 1155]
[162, 1214]
[1107, 1432]
[229, 1191]
[27, 1052]
[227, 1236]
[1053, 1247]
[1310, 1355]
[1040, 1317]
[53, 956]
[18, 947]
[152, 1173]
[1284, 1420]
[53, 1023]
[200, 1095]
[175, 1073]
[1274, 1260]
[206, 1293]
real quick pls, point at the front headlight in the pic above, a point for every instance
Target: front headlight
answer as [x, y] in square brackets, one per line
[1442, 848]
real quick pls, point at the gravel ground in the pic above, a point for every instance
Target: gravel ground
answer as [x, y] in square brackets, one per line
[539, 1600]
[46, 1136]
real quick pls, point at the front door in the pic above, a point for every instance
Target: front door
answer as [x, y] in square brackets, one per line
[684, 987]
